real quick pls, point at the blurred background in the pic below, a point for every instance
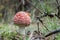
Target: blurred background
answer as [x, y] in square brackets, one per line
[8, 8]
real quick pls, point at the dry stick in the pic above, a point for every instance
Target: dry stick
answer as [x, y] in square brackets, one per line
[43, 24]
[35, 7]
[38, 21]
[38, 26]
[45, 27]
[53, 32]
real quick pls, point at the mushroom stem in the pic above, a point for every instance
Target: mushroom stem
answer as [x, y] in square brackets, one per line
[23, 32]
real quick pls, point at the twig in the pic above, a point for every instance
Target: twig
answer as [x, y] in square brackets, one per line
[53, 32]
[41, 23]
[38, 26]
[46, 27]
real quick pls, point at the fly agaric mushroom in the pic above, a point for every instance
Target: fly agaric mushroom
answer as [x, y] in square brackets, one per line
[22, 19]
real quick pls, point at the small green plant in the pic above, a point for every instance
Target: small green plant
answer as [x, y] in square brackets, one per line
[9, 32]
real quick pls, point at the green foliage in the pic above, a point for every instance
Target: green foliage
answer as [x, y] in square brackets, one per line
[8, 32]
[27, 37]
[46, 8]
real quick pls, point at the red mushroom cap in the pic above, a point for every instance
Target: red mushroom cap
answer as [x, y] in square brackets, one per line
[22, 19]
